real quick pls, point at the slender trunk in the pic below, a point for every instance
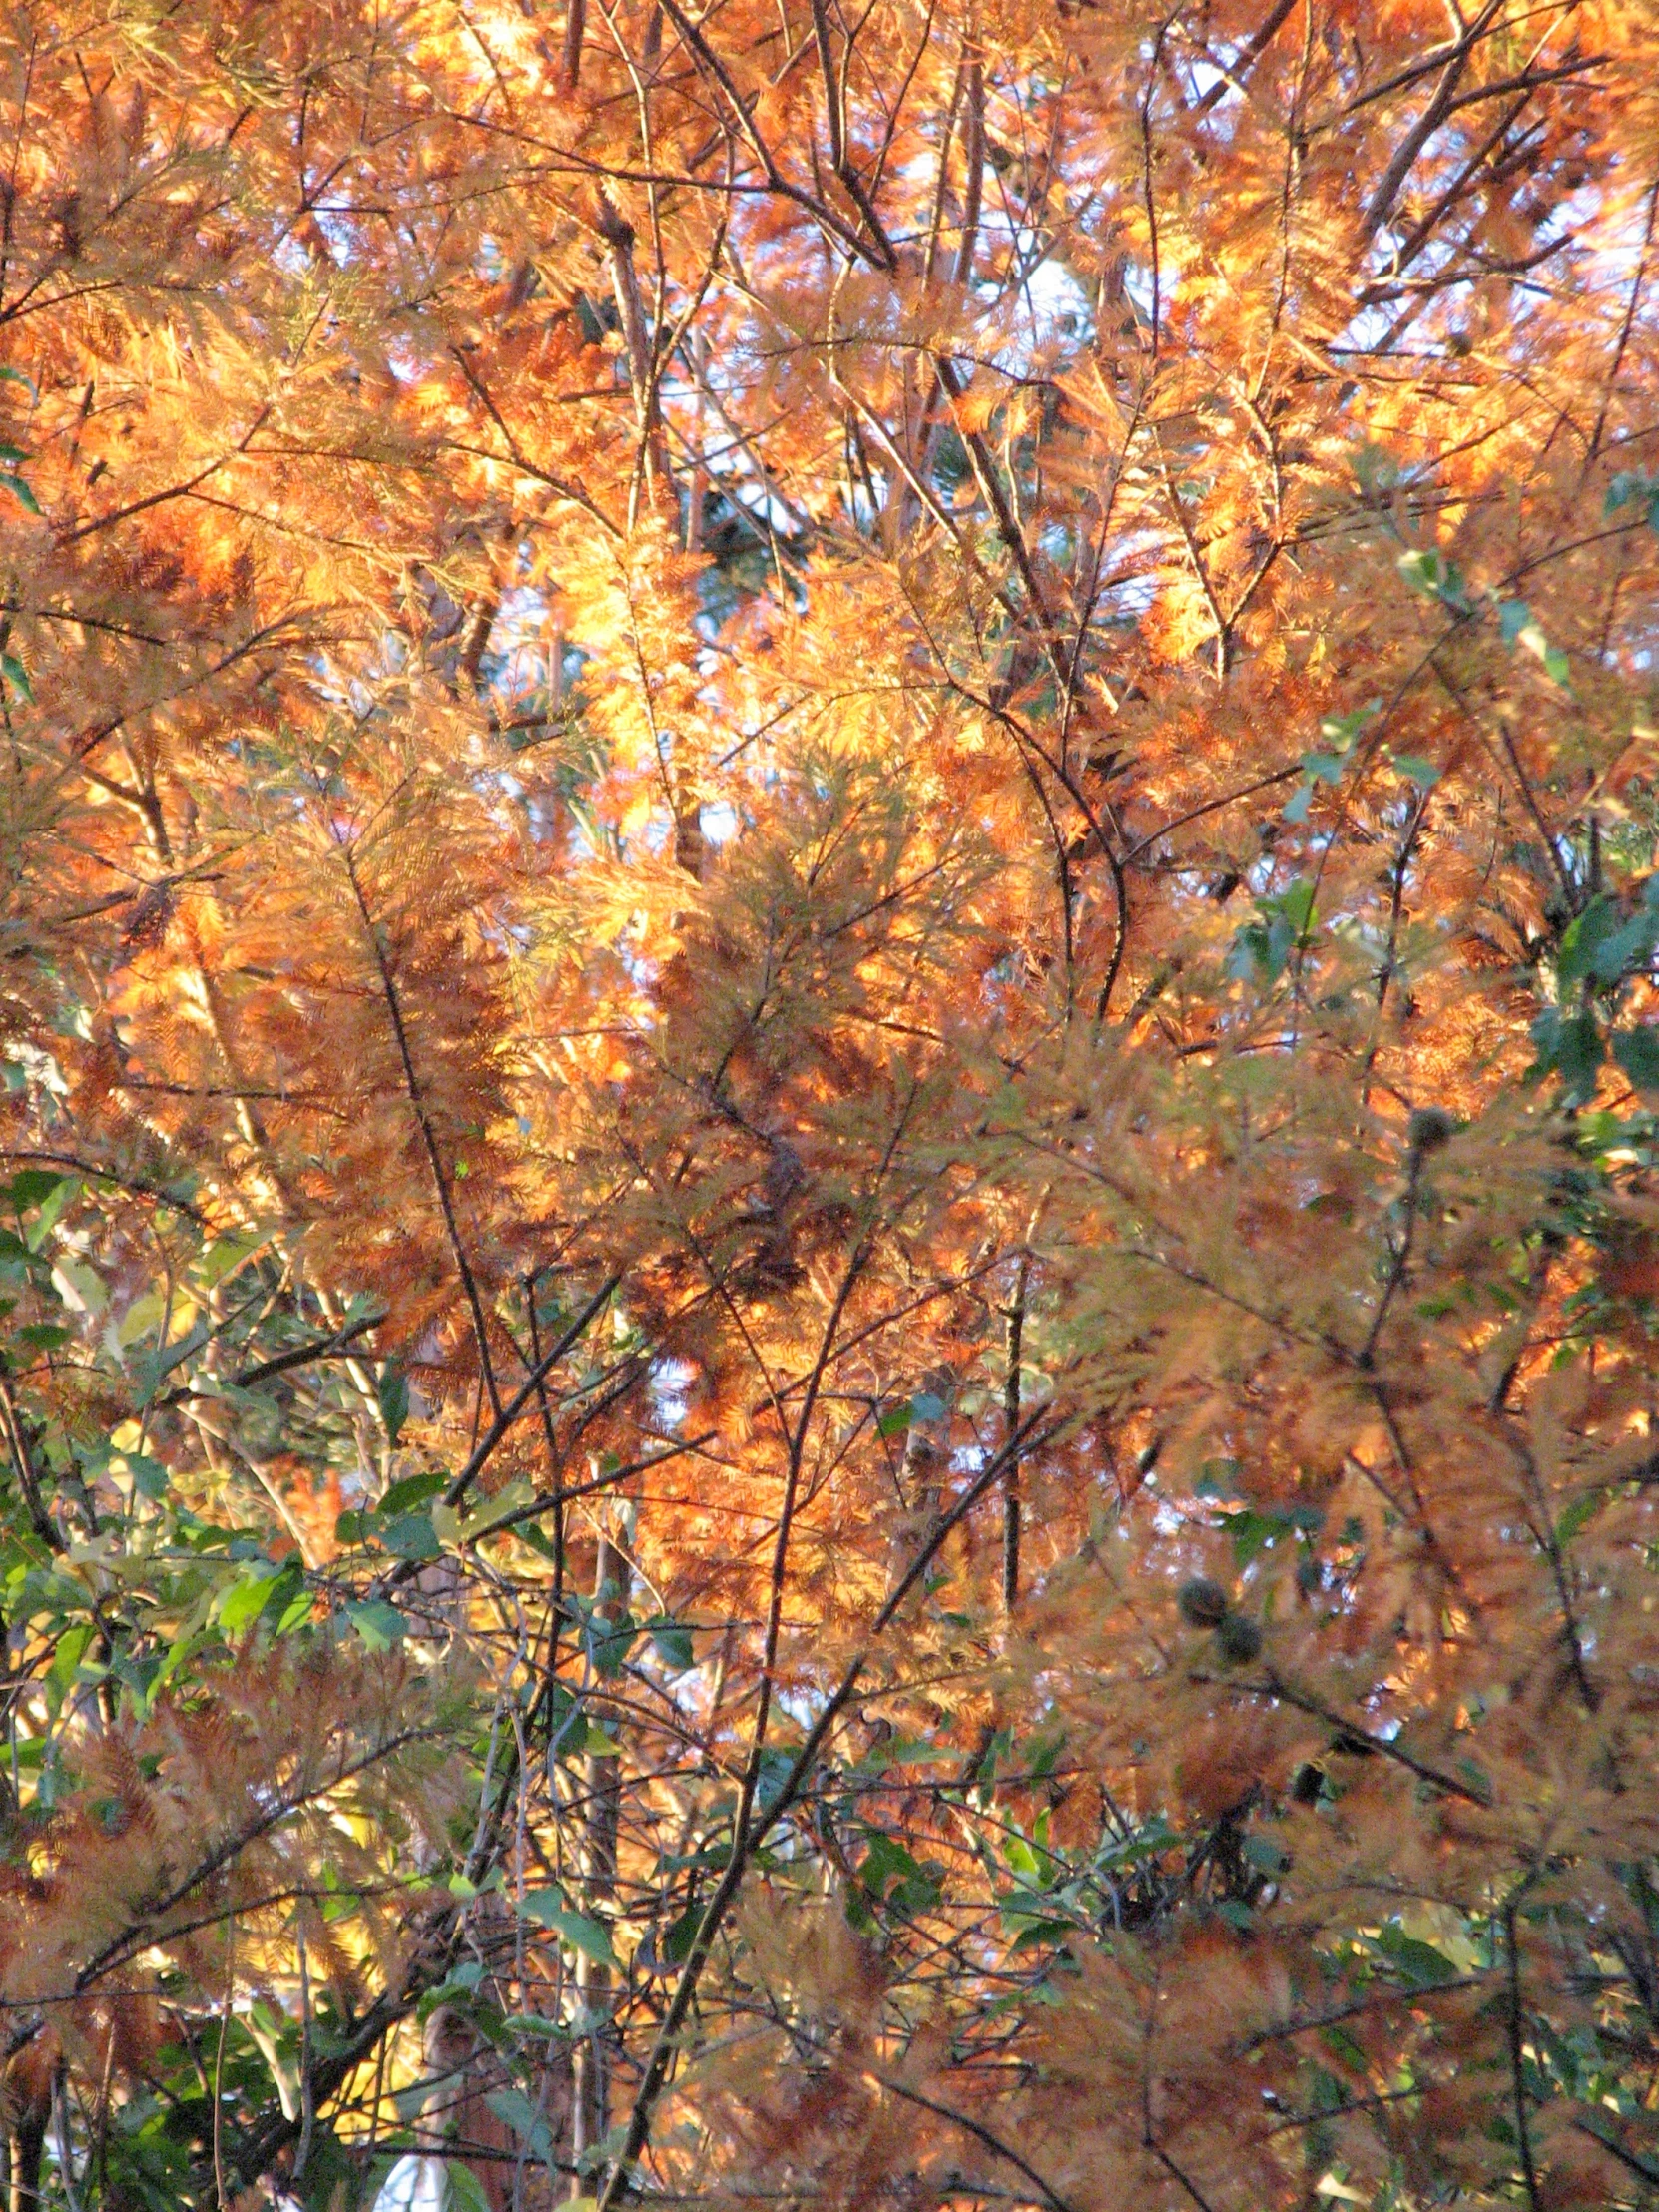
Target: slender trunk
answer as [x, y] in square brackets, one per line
[593, 2051]
[1010, 1407]
[25, 2148]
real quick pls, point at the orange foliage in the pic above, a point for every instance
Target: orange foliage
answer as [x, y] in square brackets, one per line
[831, 852]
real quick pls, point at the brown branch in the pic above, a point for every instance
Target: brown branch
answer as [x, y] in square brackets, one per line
[417, 1102]
[981, 2133]
[28, 1479]
[1433, 115]
[663, 2049]
[1518, 2073]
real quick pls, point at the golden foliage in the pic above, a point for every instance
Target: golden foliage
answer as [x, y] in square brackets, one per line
[830, 839]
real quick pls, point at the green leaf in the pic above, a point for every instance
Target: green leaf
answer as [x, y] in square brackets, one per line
[1264, 1857]
[513, 2107]
[1571, 1048]
[411, 1536]
[672, 1644]
[31, 1187]
[534, 2026]
[294, 1614]
[1032, 1929]
[1583, 940]
[1577, 1515]
[20, 492]
[413, 1492]
[453, 1531]
[152, 1368]
[887, 1860]
[1624, 491]
[1218, 1479]
[1421, 771]
[66, 1658]
[270, 1587]
[1637, 1053]
[1435, 577]
[1626, 951]
[462, 2190]
[393, 1393]
[1341, 732]
[1518, 626]
[243, 1601]
[1045, 1756]
[51, 1206]
[378, 1624]
[587, 1937]
[1419, 1963]
[676, 1945]
[1253, 1533]
[148, 1476]
[1296, 905]
[43, 1335]
[1262, 949]
[17, 676]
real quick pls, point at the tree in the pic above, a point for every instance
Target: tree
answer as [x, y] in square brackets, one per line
[830, 1103]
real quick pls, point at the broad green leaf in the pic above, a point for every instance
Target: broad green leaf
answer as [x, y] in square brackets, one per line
[1264, 1854]
[1627, 950]
[513, 2107]
[411, 1492]
[66, 1658]
[148, 1476]
[463, 2191]
[1637, 1053]
[274, 1586]
[1419, 1963]
[1421, 771]
[411, 1536]
[30, 1186]
[378, 1624]
[294, 1614]
[453, 1530]
[676, 1943]
[672, 1644]
[547, 1908]
[51, 1206]
[393, 1393]
[1571, 1047]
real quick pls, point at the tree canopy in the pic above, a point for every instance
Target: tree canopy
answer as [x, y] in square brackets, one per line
[831, 1252]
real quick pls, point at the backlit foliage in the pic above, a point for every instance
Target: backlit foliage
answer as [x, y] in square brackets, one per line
[829, 1056]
